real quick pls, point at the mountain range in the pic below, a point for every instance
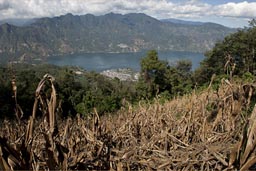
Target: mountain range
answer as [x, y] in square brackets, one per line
[177, 21]
[110, 33]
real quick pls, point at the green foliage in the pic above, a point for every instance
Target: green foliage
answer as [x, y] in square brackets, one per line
[248, 77]
[159, 78]
[184, 66]
[153, 73]
[164, 96]
[182, 77]
[234, 55]
[6, 100]
[76, 93]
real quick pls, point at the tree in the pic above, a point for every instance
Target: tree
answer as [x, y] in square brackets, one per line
[240, 47]
[184, 67]
[181, 77]
[159, 78]
[153, 75]
[252, 23]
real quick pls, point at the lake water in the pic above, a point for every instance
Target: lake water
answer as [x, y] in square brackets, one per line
[103, 61]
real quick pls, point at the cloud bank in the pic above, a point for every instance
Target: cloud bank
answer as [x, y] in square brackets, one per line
[156, 8]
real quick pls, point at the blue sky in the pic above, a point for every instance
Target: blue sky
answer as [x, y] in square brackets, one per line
[234, 13]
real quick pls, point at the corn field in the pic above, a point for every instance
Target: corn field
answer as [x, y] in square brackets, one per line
[206, 130]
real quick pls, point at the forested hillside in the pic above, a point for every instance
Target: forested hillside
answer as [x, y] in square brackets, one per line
[108, 33]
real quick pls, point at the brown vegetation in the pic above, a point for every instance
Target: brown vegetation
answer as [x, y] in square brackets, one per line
[210, 130]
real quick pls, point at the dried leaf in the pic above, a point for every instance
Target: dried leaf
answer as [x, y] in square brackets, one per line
[251, 161]
[251, 138]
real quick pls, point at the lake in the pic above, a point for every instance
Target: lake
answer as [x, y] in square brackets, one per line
[104, 61]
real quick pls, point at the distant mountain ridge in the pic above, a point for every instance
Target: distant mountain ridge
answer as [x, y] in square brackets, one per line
[133, 32]
[18, 22]
[177, 21]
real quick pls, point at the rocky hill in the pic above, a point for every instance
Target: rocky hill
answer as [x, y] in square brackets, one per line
[108, 33]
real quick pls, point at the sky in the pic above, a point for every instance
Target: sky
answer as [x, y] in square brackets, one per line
[234, 13]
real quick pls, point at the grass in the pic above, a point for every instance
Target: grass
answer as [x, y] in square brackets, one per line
[207, 130]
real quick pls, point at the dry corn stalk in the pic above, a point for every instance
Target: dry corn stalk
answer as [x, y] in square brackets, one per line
[51, 106]
[18, 111]
[243, 153]
[172, 136]
[22, 158]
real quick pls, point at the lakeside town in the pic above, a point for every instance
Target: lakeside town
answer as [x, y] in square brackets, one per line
[123, 74]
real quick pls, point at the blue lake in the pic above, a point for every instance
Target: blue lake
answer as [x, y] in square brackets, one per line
[103, 61]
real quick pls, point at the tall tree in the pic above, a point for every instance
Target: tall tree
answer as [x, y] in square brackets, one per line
[153, 75]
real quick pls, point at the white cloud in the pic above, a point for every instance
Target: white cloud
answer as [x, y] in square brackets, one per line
[243, 9]
[155, 8]
[4, 5]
